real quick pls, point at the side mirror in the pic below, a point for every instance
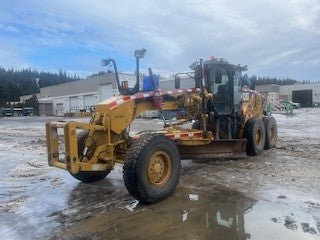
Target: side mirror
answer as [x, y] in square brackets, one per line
[177, 82]
[193, 65]
[105, 62]
[140, 53]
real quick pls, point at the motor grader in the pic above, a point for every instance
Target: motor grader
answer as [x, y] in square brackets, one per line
[228, 121]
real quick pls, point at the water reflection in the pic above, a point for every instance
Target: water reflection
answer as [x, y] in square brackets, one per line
[218, 215]
[100, 212]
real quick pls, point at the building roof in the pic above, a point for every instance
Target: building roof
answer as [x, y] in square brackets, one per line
[45, 100]
[76, 87]
[82, 86]
[267, 88]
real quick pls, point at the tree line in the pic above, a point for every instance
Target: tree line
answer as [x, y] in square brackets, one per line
[273, 80]
[16, 83]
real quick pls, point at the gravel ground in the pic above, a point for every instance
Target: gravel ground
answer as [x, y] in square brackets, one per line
[272, 196]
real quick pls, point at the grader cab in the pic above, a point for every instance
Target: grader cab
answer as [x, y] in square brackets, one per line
[228, 121]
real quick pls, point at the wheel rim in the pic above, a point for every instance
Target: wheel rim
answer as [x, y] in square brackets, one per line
[258, 137]
[272, 133]
[159, 169]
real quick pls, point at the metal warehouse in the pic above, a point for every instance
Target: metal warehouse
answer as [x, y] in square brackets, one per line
[77, 96]
[307, 94]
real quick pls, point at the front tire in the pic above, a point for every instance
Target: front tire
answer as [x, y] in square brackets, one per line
[255, 134]
[152, 168]
[84, 176]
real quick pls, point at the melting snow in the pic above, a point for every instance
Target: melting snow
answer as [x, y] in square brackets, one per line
[132, 206]
[184, 215]
[193, 197]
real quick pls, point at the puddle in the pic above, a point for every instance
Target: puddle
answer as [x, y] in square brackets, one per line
[220, 214]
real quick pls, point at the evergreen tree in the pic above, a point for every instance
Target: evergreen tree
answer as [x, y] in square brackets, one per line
[33, 102]
[14, 84]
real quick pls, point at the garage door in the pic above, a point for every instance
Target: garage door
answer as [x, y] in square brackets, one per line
[89, 102]
[304, 97]
[105, 91]
[59, 106]
[74, 104]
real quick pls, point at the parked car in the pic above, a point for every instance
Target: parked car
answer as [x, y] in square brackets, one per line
[28, 111]
[295, 105]
[6, 112]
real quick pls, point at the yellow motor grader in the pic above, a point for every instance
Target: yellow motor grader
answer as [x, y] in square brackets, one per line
[228, 121]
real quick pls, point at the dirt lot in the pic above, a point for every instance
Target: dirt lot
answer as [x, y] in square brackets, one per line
[272, 196]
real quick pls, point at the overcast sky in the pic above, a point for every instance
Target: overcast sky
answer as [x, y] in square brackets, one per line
[273, 37]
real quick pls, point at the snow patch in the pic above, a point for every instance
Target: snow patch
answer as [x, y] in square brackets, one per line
[184, 215]
[132, 206]
[193, 197]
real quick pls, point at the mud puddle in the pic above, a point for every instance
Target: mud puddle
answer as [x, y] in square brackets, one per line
[194, 214]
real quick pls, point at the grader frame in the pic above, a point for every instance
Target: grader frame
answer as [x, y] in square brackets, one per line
[104, 156]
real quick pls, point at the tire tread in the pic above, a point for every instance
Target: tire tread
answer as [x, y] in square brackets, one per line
[130, 167]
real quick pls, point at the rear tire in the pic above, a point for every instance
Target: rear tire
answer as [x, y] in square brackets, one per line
[255, 134]
[84, 176]
[271, 132]
[152, 168]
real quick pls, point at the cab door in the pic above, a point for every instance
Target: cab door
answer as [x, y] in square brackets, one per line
[221, 86]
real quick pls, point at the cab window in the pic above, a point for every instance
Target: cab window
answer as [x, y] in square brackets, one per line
[221, 87]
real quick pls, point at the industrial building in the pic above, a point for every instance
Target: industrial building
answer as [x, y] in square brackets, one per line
[307, 94]
[77, 96]
[267, 88]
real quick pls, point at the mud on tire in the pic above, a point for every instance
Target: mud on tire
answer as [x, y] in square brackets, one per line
[271, 132]
[255, 133]
[136, 169]
[83, 176]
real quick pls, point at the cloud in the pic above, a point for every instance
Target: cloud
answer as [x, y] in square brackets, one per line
[11, 56]
[275, 58]
[261, 34]
[8, 28]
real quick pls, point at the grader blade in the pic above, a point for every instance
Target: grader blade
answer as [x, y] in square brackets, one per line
[223, 148]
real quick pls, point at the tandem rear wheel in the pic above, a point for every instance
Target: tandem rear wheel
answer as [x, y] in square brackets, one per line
[260, 134]
[271, 132]
[152, 168]
[255, 134]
